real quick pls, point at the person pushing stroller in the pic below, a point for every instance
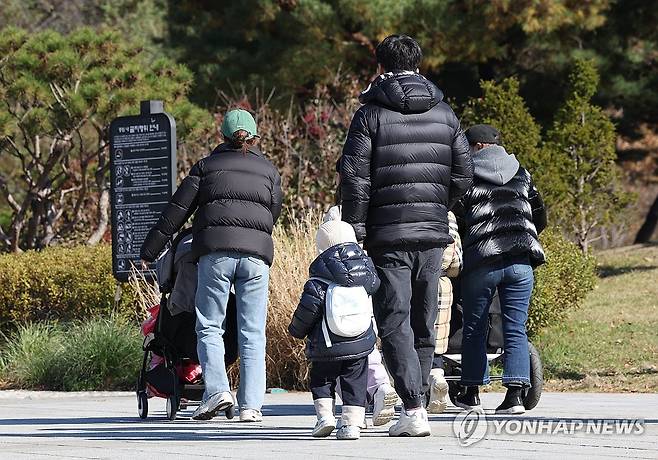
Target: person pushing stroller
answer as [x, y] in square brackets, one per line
[335, 315]
[500, 220]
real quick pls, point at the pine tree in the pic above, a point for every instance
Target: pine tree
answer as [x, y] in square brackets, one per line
[581, 145]
[59, 94]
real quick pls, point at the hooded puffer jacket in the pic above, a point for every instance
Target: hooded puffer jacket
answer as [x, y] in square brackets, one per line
[502, 215]
[405, 163]
[235, 198]
[346, 265]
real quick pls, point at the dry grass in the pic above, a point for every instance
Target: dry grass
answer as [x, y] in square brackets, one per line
[294, 251]
[146, 293]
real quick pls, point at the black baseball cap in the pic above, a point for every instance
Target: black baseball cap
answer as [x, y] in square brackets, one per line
[484, 134]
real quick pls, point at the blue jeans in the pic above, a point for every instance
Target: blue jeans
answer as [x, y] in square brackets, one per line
[514, 280]
[249, 275]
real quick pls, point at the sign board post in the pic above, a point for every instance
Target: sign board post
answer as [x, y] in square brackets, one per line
[143, 179]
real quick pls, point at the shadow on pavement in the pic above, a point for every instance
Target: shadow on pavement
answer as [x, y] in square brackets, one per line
[172, 432]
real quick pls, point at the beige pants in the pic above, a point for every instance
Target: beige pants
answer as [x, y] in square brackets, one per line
[442, 324]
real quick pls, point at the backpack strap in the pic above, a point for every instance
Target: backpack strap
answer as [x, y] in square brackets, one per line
[325, 329]
[325, 332]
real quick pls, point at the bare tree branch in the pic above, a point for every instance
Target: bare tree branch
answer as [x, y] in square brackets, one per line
[4, 188]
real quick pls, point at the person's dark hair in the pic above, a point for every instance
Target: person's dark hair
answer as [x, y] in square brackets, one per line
[399, 52]
[241, 141]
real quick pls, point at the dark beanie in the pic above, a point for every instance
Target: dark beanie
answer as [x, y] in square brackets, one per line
[484, 134]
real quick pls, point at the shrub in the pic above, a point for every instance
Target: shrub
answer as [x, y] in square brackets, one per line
[562, 283]
[101, 354]
[60, 284]
[30, 356]
[98, 354]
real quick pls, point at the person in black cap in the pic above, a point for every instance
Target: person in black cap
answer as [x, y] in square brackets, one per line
[500, 219]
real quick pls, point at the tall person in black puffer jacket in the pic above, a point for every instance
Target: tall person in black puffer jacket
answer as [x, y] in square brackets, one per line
[500, 219]
[405, 163]
[235, 196]
[336, 358]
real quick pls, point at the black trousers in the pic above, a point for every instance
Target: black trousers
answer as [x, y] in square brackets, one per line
[405, 309]
[353, 377]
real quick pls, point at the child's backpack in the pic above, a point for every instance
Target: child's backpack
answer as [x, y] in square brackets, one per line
[347, 313]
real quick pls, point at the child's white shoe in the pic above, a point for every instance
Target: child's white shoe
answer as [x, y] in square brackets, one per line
[351, 418]
[324, 427]
[324, 409]
[438, 392]
[348, 432]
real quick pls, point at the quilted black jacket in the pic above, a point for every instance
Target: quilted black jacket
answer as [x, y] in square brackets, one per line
[502, 215]
[346, 265]
[405, 163]
[235, 199]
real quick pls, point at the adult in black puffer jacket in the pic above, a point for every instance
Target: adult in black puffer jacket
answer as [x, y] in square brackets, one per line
[502, 214]
[235, 196]
[500, 219]
[405, 163]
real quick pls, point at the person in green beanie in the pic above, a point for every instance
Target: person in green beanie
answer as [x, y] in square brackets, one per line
[235, 196]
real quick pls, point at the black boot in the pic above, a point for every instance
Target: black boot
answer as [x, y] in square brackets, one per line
[469, 399]
[513, 402]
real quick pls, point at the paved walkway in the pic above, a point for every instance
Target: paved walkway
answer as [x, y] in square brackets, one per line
[36, 425]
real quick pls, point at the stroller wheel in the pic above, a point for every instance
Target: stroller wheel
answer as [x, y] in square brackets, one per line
[142, 405]
[172, 407]
[531, 395]
[230, 412]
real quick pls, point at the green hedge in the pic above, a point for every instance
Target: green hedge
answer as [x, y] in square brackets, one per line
[562, 283]
[60, 284]
[95, 354]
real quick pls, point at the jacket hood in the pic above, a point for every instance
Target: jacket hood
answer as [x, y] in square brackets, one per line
[346, 265]
[226, 147]
[493, 164]
[405, 92]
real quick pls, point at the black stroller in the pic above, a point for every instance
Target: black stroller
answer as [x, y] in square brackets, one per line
[495, 354]
[173, 340]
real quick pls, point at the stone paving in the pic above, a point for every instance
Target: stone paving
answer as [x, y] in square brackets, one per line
[35, 425]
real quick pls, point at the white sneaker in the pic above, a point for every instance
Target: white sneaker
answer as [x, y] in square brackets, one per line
[438, 392]
[384, 401]
[348, 432]
[214, 405]
[411, 424]
[250, 415]
[323, 428]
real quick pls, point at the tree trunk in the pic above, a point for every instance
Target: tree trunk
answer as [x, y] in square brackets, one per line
[103, 209]
[52, 216]
[103, 217]
[649, 227]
